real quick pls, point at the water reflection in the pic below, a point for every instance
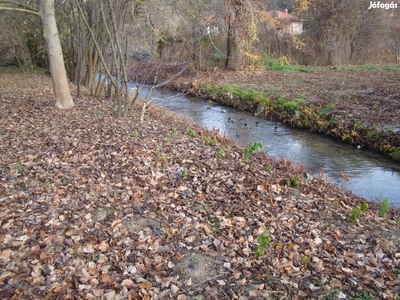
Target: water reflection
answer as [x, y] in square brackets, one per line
[372, 175]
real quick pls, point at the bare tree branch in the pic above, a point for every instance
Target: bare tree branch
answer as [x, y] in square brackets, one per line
[18, 7]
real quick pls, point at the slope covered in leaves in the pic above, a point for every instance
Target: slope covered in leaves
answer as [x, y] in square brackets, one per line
[95, 207]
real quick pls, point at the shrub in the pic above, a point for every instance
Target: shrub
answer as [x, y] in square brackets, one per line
[384, 208]
[248, 151]
[263, 240]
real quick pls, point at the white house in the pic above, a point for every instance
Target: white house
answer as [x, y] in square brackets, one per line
[286, 22]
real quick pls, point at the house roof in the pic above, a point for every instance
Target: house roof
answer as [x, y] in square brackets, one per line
[283, 16]
[212, 20]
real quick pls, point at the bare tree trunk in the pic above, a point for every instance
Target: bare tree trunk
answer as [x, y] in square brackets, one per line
[229, 45]
[54, 50]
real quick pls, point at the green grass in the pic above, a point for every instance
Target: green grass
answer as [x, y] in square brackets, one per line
[352, 70]
[357, 211]
[221, 153]
[294, 181]
[209, 141]
[290, 68]
[392, 68]
[191, 132]
[363, 296]
[263, 241]
[368, 67]
[18, 167]
[238, 97]
[326, 110]
[290, 105]
[248, 151]
[135, 133]
[396, 154]
[376, 105]
[172, 133]
[384, 210]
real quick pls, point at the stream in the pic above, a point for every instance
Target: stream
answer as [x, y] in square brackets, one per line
[371, 175]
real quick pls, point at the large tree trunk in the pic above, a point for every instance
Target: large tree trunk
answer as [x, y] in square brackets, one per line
[54, 52]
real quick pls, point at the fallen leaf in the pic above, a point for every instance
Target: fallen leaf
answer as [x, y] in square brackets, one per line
[103, 246]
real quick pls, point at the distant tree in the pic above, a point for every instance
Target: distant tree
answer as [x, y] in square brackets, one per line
[203, 32]
[22, 43]
[342, 31]
[394, 34]
[242, 26]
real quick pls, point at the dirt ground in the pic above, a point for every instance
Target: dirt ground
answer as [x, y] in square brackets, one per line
[99, 207]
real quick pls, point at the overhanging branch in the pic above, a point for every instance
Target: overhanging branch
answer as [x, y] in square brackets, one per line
[18, 7]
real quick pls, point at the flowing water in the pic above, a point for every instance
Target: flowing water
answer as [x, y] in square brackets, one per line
[371, 175]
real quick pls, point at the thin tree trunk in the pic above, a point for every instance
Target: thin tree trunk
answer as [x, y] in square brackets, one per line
[228, 44]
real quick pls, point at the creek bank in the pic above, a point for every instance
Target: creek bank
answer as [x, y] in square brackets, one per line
[359, 107]
[297, 113]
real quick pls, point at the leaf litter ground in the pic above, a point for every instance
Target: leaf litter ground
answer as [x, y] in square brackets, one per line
[96, 207]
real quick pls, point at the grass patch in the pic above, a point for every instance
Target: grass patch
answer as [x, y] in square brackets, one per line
[368, 67]
[290, 105]
[326, 110]
[239, 98]
[172, 133]
[294, 181]
[357, 211]
[274, 63]
[384, 210]
[396, 154]
[209, 141]
[263, 240]
[190, 132]
[221, 153]
[392, 68]
[290, 69]
[248, 151]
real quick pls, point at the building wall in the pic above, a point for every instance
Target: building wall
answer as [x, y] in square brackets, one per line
[296, 27]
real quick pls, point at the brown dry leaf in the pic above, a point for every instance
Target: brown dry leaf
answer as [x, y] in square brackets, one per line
[106, 278]
[241, 281]
[88, 248]
[335, 283]
[70, 232]
[5, 255]
[254, 293]
[318, 264]
[103, 246]
[5, 274]
[174, 289]
[128, 283]
[145, 285]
